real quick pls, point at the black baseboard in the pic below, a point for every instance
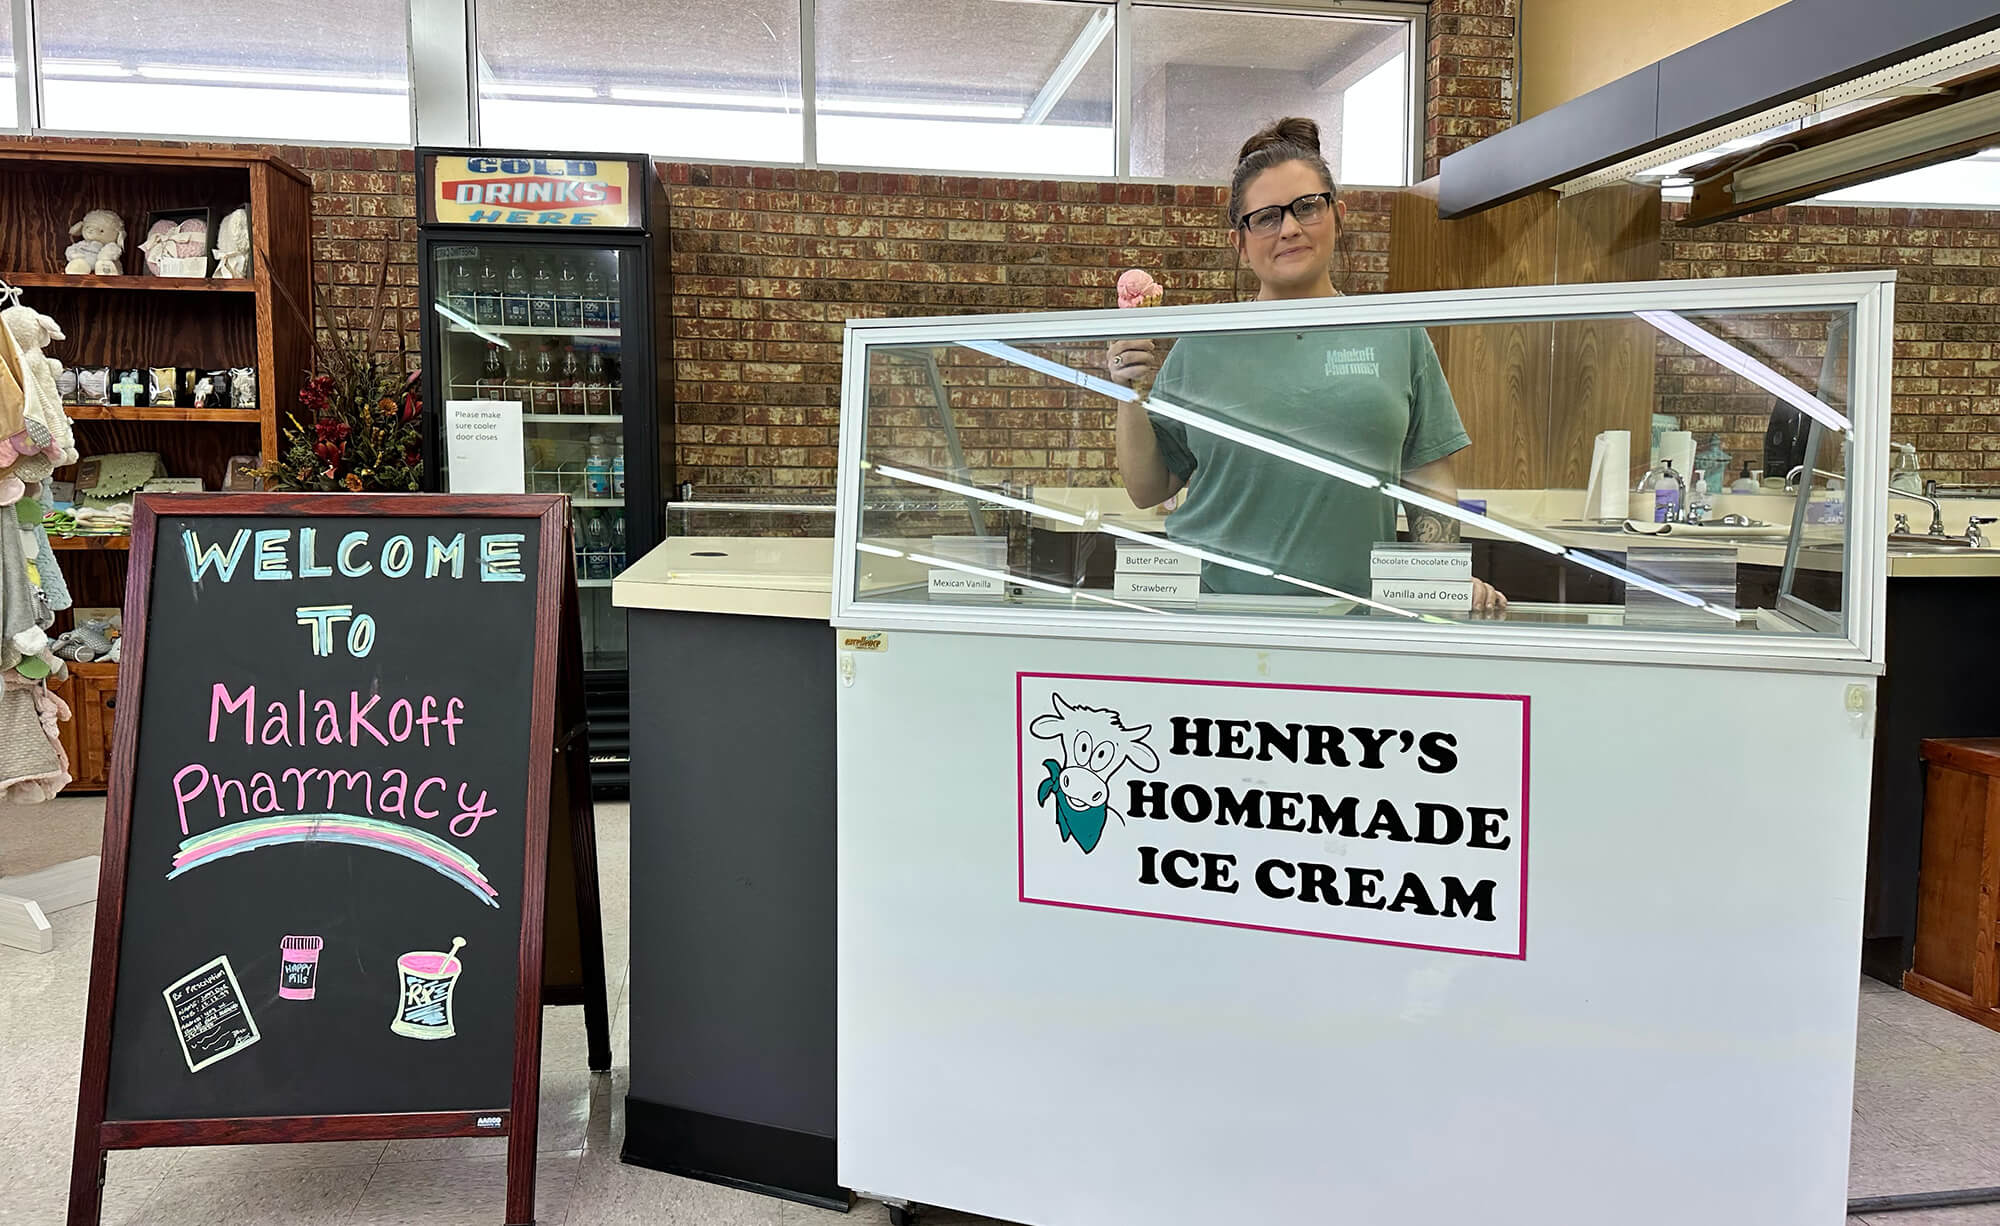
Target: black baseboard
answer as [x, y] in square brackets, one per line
[795, 1166]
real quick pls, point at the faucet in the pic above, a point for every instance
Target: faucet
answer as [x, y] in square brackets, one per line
[1973, 536]
[1937, 511]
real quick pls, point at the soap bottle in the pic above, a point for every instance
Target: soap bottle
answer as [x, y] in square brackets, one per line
[1667, 493]
[1744, 483]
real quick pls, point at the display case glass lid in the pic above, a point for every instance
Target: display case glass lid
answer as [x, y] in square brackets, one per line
[1548, 471]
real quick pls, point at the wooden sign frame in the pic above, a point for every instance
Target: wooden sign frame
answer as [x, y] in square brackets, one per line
[557, 731]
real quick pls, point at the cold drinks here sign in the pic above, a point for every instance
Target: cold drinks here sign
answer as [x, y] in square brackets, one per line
[1366, 815]
[534, 192]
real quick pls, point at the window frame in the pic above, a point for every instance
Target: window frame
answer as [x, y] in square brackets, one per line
[1412, 13]
[28, 87]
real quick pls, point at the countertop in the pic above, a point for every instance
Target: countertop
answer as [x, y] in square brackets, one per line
[752, 576]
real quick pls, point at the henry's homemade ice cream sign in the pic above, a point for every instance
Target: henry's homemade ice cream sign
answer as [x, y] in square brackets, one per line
[1368, 815]
[515, 191]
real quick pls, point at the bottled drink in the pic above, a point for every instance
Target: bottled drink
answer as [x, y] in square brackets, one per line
[545, 383]
[596, 390]
[542, 295]
[597, 546]
[579, 544]
[486, 298]
[521, 378]
[514, 307]
[618, 468]
[569, 295]
[596, 307]
[618, 545]
[570, 397]
[492, 376]
[597, 469]
[461, 288]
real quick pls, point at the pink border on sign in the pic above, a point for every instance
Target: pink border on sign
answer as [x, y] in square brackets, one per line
[1021, 808]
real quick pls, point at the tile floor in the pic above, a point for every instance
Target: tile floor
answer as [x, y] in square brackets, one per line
[1915, 1066]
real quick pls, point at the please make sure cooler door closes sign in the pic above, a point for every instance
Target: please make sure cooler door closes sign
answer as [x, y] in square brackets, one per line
[1383, 816]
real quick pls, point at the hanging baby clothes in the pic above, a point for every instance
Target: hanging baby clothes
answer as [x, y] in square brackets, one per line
[33, 443]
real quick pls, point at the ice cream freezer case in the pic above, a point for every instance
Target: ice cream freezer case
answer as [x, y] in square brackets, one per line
[539, 275]
[1260, 845]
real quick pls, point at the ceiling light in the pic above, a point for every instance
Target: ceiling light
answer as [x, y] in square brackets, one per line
[1976, 119]
[1728, 355]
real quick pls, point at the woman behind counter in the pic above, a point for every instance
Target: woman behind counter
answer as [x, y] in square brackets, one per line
[1371, 397]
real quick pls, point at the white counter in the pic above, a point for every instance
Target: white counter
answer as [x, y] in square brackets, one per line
[752, 576]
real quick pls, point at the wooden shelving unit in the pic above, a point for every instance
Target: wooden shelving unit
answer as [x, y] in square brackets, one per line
[62, 280]
[113, 412]
[262, 321]
[85, 543]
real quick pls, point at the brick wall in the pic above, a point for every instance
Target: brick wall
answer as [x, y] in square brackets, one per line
[769, 264]
[1470, 74]
[1947, 356]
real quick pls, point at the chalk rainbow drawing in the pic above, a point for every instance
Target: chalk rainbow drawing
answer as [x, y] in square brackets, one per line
[406, 841]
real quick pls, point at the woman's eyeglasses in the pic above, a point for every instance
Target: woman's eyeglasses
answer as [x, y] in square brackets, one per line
[1307, 210]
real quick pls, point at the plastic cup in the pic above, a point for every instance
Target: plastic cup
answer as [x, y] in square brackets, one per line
[424, 1008]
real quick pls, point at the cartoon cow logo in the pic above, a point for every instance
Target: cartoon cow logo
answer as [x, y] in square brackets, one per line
[1095, 743]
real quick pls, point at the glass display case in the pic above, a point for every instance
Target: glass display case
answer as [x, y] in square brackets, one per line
[1553, 469]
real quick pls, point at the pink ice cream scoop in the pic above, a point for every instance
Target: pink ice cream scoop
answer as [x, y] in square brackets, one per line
[1136, 288]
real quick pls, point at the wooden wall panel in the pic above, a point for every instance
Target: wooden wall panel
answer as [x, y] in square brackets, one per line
[1499, 373]
[1534, 395]
[1603, 367]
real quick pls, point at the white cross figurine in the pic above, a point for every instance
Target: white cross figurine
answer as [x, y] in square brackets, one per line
[128, 389]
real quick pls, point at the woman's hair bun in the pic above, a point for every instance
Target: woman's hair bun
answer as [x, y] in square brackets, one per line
[1295, 130]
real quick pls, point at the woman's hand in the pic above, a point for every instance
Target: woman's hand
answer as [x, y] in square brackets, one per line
[1129, 361]
[1487, 600]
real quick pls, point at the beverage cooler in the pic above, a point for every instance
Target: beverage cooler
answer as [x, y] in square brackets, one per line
[537, 278]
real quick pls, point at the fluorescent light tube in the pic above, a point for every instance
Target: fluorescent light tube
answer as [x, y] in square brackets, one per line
[1242, 437]
[1725, 354]
[1410, 497]
[1053, 369]
[878, 550]
[1974, 119]
[969, 491]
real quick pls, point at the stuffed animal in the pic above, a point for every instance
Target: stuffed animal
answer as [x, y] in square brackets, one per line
[99, 247]
[232, 250]
[46, 435]
[93, 640]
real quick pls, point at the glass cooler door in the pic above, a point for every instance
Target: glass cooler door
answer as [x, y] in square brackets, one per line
[543, 326]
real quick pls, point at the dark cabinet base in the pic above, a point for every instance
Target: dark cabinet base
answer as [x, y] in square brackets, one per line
[793, 1166]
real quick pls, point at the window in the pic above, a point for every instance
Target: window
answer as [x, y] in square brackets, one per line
[983, 85]
[231, 68]
[695, 78]
[9, 103]
[1204, 80]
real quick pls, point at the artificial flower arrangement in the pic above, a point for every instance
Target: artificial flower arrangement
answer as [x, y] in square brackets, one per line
[360, 424]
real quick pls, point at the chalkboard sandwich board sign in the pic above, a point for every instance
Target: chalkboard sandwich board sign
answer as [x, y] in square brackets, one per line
[347, 725]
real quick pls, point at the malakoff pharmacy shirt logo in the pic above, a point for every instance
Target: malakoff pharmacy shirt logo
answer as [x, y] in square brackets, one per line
[1386, 816]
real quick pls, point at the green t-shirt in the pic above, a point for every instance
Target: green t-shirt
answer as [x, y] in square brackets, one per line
[1373, 399]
